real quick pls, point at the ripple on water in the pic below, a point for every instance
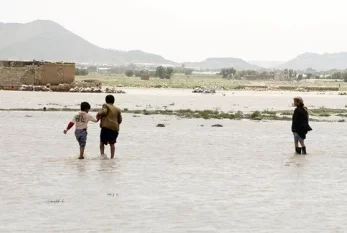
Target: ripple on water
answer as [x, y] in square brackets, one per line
[243, 177]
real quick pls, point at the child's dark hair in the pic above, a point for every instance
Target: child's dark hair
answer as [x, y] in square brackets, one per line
[109, 99]
[85, 106]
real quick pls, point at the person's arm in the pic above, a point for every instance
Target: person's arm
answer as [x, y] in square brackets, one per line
[102, 112]
[120, 118]
[295, 120]
[69, 126]
[92, 119]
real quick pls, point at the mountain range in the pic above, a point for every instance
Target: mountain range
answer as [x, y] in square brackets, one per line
[220, 63]
[319, 62]
[47, 40]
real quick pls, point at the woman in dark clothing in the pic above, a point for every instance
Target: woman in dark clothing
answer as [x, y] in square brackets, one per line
[300, 125]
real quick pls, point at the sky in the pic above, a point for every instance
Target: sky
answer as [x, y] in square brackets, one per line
[193, 30]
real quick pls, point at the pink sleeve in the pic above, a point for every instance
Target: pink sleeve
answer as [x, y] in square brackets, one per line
[91, 118]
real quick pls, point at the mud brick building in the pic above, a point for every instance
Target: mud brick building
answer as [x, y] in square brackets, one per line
[14, 74]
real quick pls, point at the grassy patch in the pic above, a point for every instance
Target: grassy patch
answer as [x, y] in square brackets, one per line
[322, 111]
[214, 81]
[214, 114]
[256, 115]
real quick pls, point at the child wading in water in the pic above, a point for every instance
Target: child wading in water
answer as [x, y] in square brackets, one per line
[111, 118]
[81, 120]
[300, 125]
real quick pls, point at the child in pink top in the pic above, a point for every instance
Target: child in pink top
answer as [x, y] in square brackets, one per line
[81, 120]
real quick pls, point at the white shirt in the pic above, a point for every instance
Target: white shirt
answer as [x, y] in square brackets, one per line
[81, 120]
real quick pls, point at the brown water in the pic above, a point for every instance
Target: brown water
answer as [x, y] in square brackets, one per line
[243, 177]
[173, 99]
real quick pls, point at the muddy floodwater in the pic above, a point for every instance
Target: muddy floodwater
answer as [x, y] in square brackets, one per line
[174, 99]
[187, 177]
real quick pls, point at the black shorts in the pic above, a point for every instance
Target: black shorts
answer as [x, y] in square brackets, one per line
[108, 136]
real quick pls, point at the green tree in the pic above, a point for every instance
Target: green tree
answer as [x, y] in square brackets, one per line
[160, 72]
[163, 72]
[228, 73]
[188, 71]
[292, 73]
[238, 76]
[169, 72]
[129, 73]
[337, 75]
[300, 77]
[81, 72]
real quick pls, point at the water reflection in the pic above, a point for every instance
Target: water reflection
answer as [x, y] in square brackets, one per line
[109, 165]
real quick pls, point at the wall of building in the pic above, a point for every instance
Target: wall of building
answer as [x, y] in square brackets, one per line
[11, 78]
[58, 73]
[282, 77]
[13, 74]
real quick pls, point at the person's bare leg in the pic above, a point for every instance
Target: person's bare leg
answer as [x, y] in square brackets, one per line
[113, 149]
[81, 153]
[302, 143]
[102, 148]
[296, 143]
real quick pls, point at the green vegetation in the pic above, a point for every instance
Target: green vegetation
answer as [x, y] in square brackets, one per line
[129, 73]
[81, 72]
[187, 81]
[256, 115]
[315, 114]
[228, 73]
[164, 73]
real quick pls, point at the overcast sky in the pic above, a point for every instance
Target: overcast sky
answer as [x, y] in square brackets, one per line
[192, 30]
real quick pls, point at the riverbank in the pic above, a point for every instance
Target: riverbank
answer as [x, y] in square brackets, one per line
[217, 82]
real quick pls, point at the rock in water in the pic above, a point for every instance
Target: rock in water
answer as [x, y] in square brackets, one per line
[161, 125]
[217, 125]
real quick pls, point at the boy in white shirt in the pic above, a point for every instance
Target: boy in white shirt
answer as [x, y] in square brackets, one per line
[81, 120]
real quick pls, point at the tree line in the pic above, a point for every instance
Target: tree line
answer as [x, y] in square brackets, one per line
[160, 72]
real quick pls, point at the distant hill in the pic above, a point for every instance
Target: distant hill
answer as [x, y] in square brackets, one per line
[319, 62]
[47, 40]
[266, 64]
[220, 63]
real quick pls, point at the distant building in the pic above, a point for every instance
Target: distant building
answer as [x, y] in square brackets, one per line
[14, 74]
[282, 76]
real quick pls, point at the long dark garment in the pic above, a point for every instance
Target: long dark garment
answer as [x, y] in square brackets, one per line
[300, 122]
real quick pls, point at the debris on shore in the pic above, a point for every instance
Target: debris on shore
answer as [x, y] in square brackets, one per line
[204, 90]
[114, 90]
[86, 89]
[34, 88]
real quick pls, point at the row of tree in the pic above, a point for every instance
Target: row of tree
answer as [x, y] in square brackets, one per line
[231, 73]
[81, 72]
[161, 72]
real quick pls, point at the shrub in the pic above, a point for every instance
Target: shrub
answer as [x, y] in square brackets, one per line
[129, 73]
